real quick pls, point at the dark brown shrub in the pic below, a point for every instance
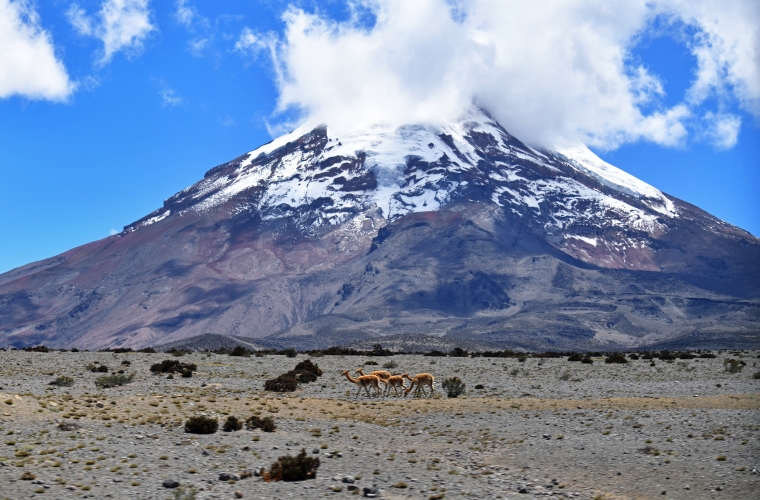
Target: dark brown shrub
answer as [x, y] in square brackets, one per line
[172, 366]
[707, 355]
[587, 361]
[63, 381]
[283, 383]
[201, 425]
[615, 358]
[240, 351]
[232, 424]
[266, 424]
[633, 356]
[296, 468]
[290, 352]
[686, 355]
[575, 357]
[148, 350]
[126, 363]
[307, 366]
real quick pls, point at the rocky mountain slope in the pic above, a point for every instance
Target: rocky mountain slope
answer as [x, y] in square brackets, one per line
[328, 236]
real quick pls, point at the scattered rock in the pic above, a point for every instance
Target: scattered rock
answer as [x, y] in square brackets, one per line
[170, 483]
[238, 494]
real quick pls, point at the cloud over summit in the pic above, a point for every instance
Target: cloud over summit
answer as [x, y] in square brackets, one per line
[548, 70]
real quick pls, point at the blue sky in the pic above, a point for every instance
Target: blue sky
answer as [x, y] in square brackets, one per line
[139, 118]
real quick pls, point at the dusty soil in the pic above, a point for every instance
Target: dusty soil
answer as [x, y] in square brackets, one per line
[541, 428]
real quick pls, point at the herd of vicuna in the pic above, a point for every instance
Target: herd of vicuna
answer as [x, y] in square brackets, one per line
[395, 382]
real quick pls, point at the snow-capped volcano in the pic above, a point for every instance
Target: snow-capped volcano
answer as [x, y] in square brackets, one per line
[326, 235]
[323, 177]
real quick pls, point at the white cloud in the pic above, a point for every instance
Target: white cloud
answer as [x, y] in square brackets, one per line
[113, 232]
[122, 26]
[187, 15]
[250, 43]
[28, 63]
[548, 70]
[198, 46]
[169, 97]
[722, 129]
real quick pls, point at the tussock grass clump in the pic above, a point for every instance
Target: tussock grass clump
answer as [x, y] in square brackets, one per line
[63, 381]
[96, 368]
[454, 387]
[616, 358]
[266, 424]
[390, 365]
[117, 379]
[297, 468]
[201, 425]
[232, 424]
[174, 366]
[733, 365]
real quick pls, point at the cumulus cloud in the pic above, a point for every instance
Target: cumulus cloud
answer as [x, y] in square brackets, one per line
[122, 26]
[722, 129]
[28, 63]
[548, 70]
[169, 97]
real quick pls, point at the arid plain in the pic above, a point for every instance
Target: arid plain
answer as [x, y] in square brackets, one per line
[536, 428]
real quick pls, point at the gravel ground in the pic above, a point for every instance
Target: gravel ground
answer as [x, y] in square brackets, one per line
[541, 428]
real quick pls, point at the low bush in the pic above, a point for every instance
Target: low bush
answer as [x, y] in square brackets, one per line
[666, 356]
[114, 380]
[647, 356]
[177, 353]
[126, 363]
[435, 353]
[756, 375]
[615, 358]
[390, 365]
[290, 352]
[587, 361]
[633, 356]
[370, 363]
[266, 424]
[308, 366]
[284, 383]
[147, 350]
[173, 366]
[240, 351]
[575, 357]
[480, 386]
[39, 348]
[686, 355]
[201, 425]
[63, 381]
[707, 355]
[298, 468]
[232, 424]
[522, 359]
[454, 387]
[458, 352]
[733, 365]
[96, 368]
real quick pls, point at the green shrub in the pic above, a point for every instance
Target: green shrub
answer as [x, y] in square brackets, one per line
[575, 357]
[296, 468]
[201, 425]
[63, 381]
[266, 424]
[390, 365]
[147, 350]
[114, 380]
[458, 352]
[454, 387]
[96, 368]
[308, 366]
[232, 424]
[290, 352]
